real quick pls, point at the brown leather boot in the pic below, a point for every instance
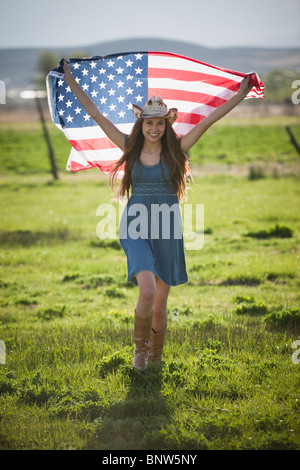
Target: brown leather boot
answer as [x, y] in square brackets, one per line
[142, 327]
[157, 344]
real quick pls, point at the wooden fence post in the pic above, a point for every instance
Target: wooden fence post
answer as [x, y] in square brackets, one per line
[293, 140]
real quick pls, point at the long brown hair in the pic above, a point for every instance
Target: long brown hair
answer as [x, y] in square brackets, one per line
[175, 159]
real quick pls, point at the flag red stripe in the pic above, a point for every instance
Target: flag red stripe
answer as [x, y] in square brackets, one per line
[184, 75]
[191, 96]
[92, 144]
[75, 166]
[189, 118]
[106, 167]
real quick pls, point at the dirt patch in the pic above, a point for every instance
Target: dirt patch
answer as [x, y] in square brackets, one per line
[273, 169]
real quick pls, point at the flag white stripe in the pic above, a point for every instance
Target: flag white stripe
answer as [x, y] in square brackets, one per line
[104, 155]
[182, 128]
[93, 132]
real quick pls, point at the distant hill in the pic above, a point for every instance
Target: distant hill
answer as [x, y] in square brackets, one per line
[18, 67]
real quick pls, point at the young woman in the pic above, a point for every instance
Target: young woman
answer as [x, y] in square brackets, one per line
[155, 172]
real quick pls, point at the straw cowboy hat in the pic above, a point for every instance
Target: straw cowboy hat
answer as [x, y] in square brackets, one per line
[155, 107]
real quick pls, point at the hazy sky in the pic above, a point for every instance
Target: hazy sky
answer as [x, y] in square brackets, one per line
[213, 23]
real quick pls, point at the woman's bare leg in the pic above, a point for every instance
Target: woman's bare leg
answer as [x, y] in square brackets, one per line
[147, 291]
[160, 305]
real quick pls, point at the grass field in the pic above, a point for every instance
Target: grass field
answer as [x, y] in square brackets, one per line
[230, 375]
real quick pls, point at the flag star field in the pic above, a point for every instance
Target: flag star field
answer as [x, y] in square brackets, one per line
[114, 84]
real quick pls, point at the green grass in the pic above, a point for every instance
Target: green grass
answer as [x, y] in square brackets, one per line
[227, 380]
[265, 140]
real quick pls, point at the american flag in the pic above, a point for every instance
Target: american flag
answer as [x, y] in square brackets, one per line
[116, 82]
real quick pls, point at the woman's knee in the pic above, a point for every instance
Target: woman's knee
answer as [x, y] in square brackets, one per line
[147, 292]
[147, 286]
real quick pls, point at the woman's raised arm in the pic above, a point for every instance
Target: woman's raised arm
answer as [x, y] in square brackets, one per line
[189, 139]
[112, 132]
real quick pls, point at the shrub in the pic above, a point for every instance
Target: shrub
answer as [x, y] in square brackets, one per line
[49, 313]
[70, 277]
[252, 309]
[97, 281]
[109, 364]
[114, 292]
[285, 318]
[244, 299]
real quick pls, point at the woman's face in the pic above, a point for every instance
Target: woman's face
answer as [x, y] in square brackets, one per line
[153, 129]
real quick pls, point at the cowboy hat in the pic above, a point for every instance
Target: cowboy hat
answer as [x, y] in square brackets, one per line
[155, 107]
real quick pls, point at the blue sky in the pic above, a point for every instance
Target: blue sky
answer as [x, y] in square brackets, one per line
[211, 23]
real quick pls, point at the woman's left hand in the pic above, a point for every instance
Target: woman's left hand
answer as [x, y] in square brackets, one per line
[66, 67]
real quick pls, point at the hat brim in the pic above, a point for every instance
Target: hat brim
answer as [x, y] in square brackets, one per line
[171, 115]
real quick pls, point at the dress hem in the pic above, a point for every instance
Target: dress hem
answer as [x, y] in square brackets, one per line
[132, 277]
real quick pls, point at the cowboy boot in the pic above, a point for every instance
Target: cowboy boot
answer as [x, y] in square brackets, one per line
[157, 344]
[142, 327]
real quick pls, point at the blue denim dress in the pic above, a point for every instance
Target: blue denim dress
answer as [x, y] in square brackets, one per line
[150, 229]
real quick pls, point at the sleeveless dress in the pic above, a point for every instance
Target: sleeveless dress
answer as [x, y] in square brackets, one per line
[150, 229]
